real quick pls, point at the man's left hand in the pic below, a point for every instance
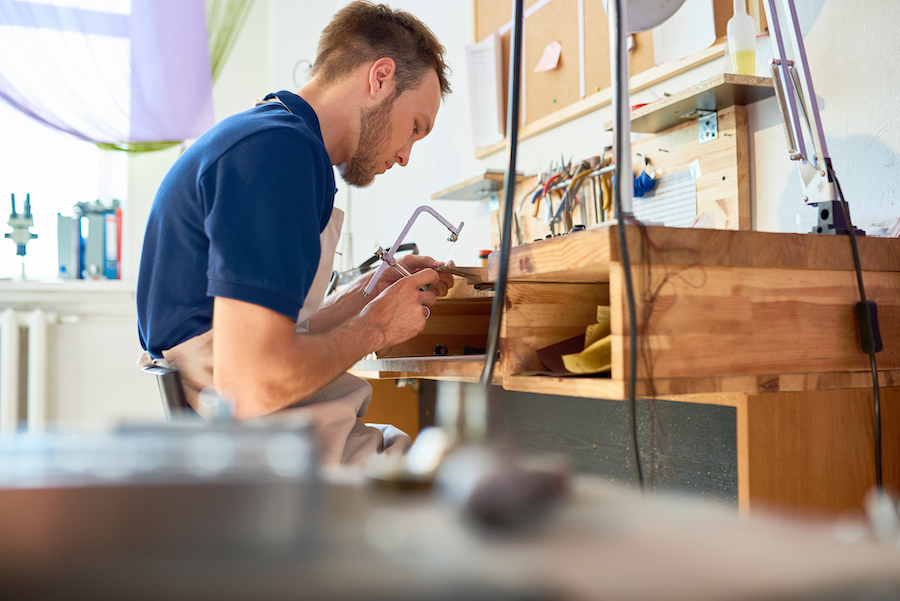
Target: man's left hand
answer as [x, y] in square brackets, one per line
[414, 263]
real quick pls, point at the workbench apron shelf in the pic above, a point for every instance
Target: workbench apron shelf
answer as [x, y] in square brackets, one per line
[731, 311]
[734, 311]
[760, 322]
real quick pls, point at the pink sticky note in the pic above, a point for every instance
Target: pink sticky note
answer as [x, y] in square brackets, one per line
[550, 58]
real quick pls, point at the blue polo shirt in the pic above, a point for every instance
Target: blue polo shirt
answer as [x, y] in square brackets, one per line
[238, 216]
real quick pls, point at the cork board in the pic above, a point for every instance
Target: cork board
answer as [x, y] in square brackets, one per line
[550, 91]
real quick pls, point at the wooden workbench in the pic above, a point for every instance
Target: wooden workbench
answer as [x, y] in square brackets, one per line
[761, 323]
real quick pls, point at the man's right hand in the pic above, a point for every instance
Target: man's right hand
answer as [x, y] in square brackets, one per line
[399, 311]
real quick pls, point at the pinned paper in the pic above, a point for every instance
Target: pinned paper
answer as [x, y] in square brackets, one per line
[485, 68]
[695, 169]
[550, 57]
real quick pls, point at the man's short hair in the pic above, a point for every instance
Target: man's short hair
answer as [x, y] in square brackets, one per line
[362, 32]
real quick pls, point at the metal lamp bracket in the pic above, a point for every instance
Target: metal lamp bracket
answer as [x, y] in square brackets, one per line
[708, 124]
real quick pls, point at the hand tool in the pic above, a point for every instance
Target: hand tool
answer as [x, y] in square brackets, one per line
[387, 256]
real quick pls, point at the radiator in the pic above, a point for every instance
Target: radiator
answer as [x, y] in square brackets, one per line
[12, 360]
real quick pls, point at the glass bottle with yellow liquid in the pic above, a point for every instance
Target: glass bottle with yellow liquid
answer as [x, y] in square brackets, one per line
[742, 40]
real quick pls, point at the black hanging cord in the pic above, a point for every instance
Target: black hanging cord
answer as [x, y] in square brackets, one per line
[863, 328]
[509, 184]
[622, 142]
[633, 342]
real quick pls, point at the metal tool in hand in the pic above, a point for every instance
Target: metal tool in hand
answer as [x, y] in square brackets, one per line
[387, 256]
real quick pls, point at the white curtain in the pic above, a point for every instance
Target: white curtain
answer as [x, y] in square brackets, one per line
[109, 71]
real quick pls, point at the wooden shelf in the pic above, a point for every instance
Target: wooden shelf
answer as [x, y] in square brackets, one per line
[642, 81]
[713, 94]
[483, 185]
[749, 312]
[582, 256]
[462, 368]
[588, 255]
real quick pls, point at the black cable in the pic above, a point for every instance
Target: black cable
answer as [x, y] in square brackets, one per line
[509, 183]
[618, 47]
[862, 293]
[632, 351]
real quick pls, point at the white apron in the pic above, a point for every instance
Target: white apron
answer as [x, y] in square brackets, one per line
[335, 410]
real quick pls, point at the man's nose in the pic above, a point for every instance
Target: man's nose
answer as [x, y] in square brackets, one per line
[403, 154]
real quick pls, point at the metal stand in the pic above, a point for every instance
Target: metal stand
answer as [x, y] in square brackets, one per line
[795, 93]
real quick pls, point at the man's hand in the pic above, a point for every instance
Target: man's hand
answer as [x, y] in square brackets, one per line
[414, 264]
[399, 311]
[349, 301]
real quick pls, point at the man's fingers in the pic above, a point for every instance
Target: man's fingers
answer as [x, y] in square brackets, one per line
[419, 262]
[425, 277]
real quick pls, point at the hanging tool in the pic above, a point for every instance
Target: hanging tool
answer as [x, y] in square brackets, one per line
[570, 196]
[544, 192]
[537, 186]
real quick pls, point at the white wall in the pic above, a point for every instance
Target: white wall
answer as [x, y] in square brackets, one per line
[851, 49]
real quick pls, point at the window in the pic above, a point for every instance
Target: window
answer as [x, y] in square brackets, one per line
[58, 171]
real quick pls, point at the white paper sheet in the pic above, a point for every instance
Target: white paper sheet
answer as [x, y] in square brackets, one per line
[485, 68]
[690, 30]
[673, 202]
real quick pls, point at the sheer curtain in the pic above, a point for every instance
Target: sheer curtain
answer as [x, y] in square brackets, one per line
[126, 74]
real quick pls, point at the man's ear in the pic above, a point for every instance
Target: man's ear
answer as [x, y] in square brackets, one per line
[381, 77]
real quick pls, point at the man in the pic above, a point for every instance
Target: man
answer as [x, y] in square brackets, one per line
[241, 236]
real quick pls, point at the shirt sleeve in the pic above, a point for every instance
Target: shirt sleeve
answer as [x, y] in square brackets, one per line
[268, 199]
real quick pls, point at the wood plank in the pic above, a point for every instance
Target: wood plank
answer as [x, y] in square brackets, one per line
[711, 390]
[478, 187]
[598, 388]
[475, 188]
[641, 81]
[742, 443]
[585, 256]
[466, 368]
[742, 147]
[720, 321]
[714, 94]
[723, 188]
[759, 249]
[815, 450]
[578, 257]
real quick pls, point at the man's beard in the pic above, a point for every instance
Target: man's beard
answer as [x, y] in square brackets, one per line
[374, 132]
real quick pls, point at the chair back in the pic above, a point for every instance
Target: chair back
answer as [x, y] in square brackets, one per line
[171, 390]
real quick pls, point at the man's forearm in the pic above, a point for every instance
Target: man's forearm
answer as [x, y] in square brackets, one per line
[341, 306]
[289, 369]
[263, 365]
[315, 361]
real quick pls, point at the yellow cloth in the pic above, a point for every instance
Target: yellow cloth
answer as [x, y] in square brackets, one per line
[597, 354]
[598, 330]
[594, 359]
